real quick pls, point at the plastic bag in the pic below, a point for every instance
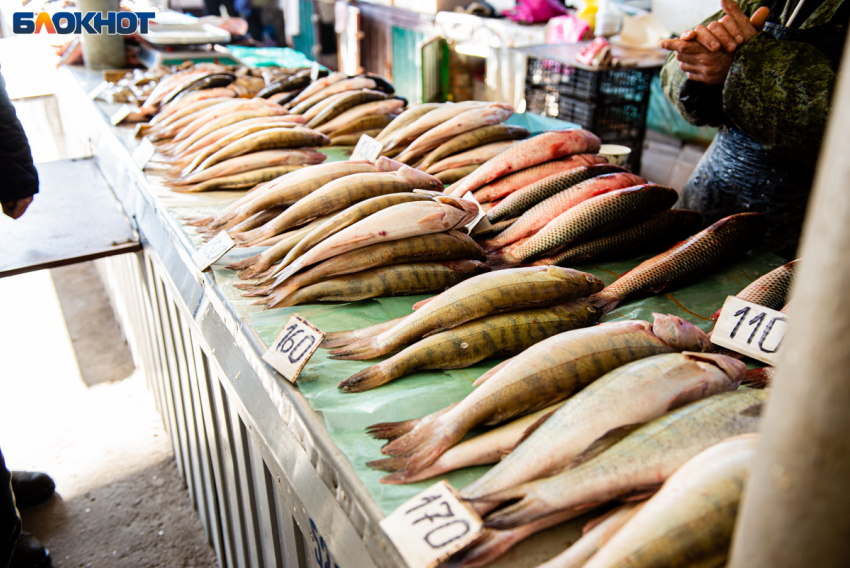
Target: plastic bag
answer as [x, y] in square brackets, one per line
[535, 11]
[567, 29]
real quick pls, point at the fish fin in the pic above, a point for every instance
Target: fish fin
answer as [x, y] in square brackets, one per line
[359, 350]
[392, 430]
[759, 378]
[491, 372]
[424, 444]
[432, 222]
[244, 264]
[603, 303]
[366, 379]
[387, 464]
[336, 339]
[754, 410]
[692, 394]
[421, 303]
[641, 494]
[736, 370]
[526, 510]
[530, 430]
[603, 443]
[492, 545]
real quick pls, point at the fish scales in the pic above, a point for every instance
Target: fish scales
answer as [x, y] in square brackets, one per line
[343, 103]
[454, 174]
[406, 118]
[721, 241]
[592, 217]
[672, 225]
[473, 139]
[474, 341]
[770, 290]
[476, 156]
[269, 139]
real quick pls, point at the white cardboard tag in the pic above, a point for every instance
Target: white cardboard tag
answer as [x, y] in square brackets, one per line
[432, 526]
[123, 112]
[315, 70]
[293, 347]
[143, 153]
[367, 148]
[750, 329]
[97, 91]
[213, 250]
[481, 222]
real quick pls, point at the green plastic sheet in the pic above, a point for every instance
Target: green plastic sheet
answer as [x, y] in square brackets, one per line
[271, 57]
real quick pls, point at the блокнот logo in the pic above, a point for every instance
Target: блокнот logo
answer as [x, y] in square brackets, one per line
[121, 23]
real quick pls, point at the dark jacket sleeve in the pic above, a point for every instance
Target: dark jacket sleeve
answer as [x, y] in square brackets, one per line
[18, 176]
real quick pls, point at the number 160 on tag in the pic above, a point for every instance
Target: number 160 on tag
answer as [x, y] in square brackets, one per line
[293, 347]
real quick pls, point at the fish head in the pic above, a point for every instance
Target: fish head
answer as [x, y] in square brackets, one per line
[467, 267]
[419, 179]
[679, 334]
[581, 311]
[385, 164]
[468, 207]
[735, 369]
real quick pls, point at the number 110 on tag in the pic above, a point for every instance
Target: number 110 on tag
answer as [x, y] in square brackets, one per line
[750, 329]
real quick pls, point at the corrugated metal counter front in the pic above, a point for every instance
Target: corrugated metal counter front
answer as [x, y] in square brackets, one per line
[277, 472]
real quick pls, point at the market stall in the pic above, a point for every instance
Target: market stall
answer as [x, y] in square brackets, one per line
[278, 471]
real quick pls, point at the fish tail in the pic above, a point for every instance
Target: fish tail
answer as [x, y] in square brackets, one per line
[392, 430]
[423, 446]
[337, 339]
[360, 350]
[387, 464]
[201, 222]
[245, 265]
[248, 286]
[367, 379]
[526, 510]
[486, 549]
[759, 378]
[603, 302]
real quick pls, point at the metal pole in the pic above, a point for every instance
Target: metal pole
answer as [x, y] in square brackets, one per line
[796, 506]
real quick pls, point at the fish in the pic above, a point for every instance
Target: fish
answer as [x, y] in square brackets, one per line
[207, 125]
[539, 215]
[690, 521]
[407, 134]
[285, 84]
[407, 117]
[352, 84]
[484, 449]
[454, 174]
[493, 113]
[253, 266]
[760, 378]
[169, 110]
[670, 226]
[634, 393]
[208, 81]
[433, 247]
[533, 194]
[504, 186]
[494, 230]
[486, 294]
[283, 98]
[272, 138]
[237, 181]
[253, 161]
[353, 138]
[184, 113]
[397, 280]
[721, 242]
[473, 139]
[393, 223]
[589, 218]
[339, 194]
[594, 535]
[316, 86]
[259, 219]
[349, 116]
[541, 375]
[186, 126]
[538, 149]
[476, 156]
[342, 103]
[474, 341]
[770, 290]
[636, 459]
[168, 83]
[367, 122]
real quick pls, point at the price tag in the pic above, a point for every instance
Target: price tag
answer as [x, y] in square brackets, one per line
[750, 329]
[315, 70]
[367, 148]
[122, 113]
[213, 250]
[293, 347]
[143, 154]
[432, 526]
[97, 91]
[481, 222]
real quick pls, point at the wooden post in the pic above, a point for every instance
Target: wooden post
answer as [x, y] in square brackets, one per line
[796, 506]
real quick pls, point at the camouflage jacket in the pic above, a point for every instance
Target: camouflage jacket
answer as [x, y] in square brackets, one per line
[779, 88]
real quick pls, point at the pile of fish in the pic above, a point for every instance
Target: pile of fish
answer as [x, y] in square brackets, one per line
[497, 313]
[450, 140]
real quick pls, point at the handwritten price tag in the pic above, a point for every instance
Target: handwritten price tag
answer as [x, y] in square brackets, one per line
[367, 148]
[97, 91]
[315, 70]
[122, 113]
[143, 154]
[750, 329]
[293, 347]
[432, 526]
[213, 250]
[481, 222]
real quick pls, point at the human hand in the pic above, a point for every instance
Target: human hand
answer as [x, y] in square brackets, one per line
[732, 30]
[15, 209]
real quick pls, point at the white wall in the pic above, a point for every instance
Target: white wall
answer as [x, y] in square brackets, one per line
[680, 15]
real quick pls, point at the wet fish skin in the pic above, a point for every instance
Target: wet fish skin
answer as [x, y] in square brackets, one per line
[406, 118]
[476, 156]
[634, 393]
[352, 84]
[504, 186]
[543, 374]
[238, 181]
[406, 135]
[541, 148]
[508, 290]
[770, 290]
[590, 218]
[529, 196]
[368, 122]
[474, 341]
[344, 102]
[297, 137]
[210, 81]
[397, 280]
[454, 174]
[286, 84]
[316, 86]
[473, 139]
[362, 111]
[205, 124]
[253, 161]
[690, 521]
[666, 227]
[720, 242]
[639, 461]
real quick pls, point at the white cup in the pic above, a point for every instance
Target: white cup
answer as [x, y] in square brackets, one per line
[617, 155]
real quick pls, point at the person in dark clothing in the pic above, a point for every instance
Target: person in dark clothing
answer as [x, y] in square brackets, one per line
[18, 177]
[20, 549]
[763, 73]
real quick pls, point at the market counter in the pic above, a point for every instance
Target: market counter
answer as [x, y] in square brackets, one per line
[277, 472]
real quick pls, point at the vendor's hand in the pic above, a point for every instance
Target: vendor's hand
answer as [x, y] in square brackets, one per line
[732, 30]
[15, 209]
